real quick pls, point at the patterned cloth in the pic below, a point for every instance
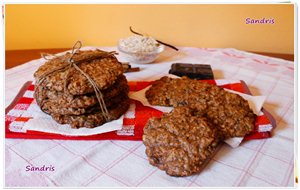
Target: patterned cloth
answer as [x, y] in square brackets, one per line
[266, 162]
[25, 108]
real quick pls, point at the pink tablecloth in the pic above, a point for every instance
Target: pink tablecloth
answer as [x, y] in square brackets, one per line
[267, 162]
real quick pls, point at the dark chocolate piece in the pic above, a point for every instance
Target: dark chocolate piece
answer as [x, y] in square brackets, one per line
[193, 71]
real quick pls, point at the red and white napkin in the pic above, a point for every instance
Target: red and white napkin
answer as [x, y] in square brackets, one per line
[24, 119]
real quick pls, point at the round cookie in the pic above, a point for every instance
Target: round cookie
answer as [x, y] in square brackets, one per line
[180, 142]
[227, 111]
[231, 114]
[59, 99]
[177, 92]
[101, 66]
[53, 108]
[93, 119]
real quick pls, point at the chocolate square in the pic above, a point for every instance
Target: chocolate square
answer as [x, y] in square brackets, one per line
[193, 71]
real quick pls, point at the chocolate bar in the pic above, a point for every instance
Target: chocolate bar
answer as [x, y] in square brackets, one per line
[193, 71]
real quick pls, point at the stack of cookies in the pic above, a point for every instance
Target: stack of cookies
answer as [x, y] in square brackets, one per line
[68, 94]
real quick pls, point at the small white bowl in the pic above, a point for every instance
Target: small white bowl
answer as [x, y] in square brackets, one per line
[141, 57]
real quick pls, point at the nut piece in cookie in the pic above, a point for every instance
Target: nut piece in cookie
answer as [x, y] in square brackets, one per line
[180, 142]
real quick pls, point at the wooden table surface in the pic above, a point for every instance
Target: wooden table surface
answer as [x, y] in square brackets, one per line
[17, 57]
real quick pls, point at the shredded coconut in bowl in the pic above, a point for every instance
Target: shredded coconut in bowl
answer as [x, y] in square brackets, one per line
[139, 44]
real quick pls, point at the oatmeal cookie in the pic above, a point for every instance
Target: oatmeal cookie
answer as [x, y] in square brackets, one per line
[177, 92]
[51, 107]
[180, 142]
[93, 119]
[229, 112]
[64, 100]
[101, 66]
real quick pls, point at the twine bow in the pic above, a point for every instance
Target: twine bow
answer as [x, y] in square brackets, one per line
[69, 64]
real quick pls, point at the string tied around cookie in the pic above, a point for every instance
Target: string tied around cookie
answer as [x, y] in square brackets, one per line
[71, 63]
